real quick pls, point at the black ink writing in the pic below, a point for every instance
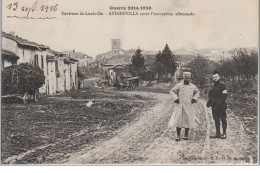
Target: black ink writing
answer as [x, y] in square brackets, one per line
[15, 6]
[29, 10]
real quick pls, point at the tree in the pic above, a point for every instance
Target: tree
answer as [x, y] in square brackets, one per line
[246, 62]
[160, 69]
[158, 57]
[253, 63]
[138, 59]
[227, 68]
[165, 62]
[199, 70]
[168, 59]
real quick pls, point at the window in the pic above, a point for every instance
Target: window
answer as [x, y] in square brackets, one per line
[57, 68]
[42, 62]
[35, 60]
[47, 68]
[23, 55]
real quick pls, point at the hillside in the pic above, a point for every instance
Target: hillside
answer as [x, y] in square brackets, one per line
[183, 55]
[119, 59]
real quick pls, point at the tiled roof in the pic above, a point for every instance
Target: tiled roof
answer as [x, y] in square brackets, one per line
[22, 41]
[56, 53]
[77, 55]
[118, 66]
[8, 54]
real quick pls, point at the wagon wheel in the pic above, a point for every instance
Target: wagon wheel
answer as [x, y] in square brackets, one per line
[25, 98]
[36, 95]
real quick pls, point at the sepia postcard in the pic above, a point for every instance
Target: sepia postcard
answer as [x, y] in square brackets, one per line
[129, 82]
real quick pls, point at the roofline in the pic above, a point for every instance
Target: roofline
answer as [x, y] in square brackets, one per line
[9, 53]
[117, 66]
[12, 37]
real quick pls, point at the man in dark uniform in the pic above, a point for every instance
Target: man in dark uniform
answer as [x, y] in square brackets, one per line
[217, 97]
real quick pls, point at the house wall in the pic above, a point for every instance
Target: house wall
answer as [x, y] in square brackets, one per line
[26, 55]
[73, 76]
[112, 77]
[51, 78]
[61, 76]
[42, 63]
[6, 63]
[9, 44]
[67, 76]
[82, 62]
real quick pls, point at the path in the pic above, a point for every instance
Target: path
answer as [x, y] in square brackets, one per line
[148, 140]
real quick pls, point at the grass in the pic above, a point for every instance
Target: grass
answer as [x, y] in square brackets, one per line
[67, 124]
[245, 108]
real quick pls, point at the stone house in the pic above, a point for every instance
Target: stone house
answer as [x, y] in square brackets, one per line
[65, 72]
[8, 58]
[70, 74]
[26, 52]
[83, 60]
[51, 77]
[118, 74]
[60, 70]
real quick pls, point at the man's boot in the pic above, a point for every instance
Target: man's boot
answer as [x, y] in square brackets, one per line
[224, 126]
[186, 133]
[178, 138]
[178, 134]
[224, 136]
[218, 134]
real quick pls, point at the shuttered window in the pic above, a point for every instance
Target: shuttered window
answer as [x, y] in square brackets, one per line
[42, 62]
[35, 60]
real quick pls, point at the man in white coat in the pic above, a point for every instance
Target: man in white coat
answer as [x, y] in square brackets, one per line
[184, 94]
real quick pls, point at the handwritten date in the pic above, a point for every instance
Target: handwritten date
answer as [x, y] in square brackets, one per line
[35, 7]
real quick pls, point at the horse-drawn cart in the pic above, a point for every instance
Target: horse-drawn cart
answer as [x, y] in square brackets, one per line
[21, 82]
[9, 98]
[127, 84]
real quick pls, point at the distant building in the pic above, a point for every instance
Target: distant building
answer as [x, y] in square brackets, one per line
[179, 72]
[83, 59]
[116, 50]
[116, 44]
[120, 74]
[71, 70]
[117, 74]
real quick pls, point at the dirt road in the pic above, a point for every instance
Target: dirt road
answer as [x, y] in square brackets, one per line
[149, 140]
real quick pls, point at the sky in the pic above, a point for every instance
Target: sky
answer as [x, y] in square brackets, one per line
[215, 24]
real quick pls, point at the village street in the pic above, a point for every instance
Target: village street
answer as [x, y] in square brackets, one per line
[148, 140]
[121, 127]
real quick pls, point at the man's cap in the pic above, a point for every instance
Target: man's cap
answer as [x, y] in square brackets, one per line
[186, 75]
[215, 72]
